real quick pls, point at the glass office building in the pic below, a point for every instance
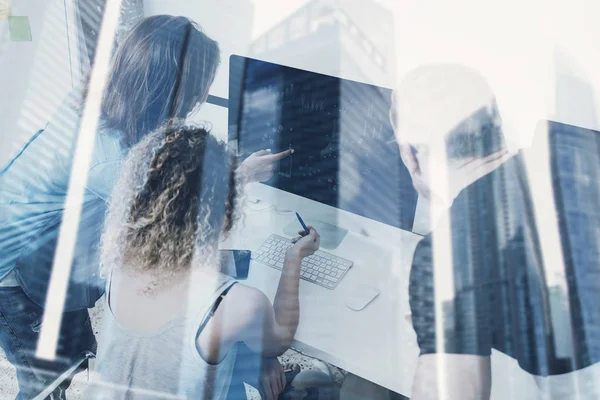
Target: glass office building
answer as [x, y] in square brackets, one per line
[575, 164]
[501, 296]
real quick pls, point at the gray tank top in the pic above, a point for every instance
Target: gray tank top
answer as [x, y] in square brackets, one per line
[162, 363]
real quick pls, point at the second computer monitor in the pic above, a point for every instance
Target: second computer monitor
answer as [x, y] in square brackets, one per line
[345, 153]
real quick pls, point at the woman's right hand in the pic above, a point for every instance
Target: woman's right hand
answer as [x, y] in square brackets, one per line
[260, 165]
[306, 244]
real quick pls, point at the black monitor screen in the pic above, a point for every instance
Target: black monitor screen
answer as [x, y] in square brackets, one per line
[345, 153]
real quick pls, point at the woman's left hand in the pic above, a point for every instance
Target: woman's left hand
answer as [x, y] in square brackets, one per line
[259, 167]
[272, 378]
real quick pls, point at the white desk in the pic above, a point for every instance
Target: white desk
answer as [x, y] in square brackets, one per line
[376, 343]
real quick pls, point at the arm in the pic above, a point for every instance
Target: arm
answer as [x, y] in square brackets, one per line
[286, 307]
[280, 321]
[247, 315]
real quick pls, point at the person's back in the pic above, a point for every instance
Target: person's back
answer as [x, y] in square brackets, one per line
[33, 189]
[154, 356]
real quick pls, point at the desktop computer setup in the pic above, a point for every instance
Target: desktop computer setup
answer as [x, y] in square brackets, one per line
[345, 153]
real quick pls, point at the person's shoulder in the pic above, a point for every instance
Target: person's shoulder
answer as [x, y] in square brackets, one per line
[247, 304]
[247, 300]
[241, 310]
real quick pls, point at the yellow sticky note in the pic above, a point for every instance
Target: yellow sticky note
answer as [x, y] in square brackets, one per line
[19, 29]
[4, 9]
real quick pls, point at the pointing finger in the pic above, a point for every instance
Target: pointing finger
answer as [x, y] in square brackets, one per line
[279, 156]
[263, 152]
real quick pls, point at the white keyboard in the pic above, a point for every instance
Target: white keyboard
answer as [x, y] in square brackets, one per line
[321, 268]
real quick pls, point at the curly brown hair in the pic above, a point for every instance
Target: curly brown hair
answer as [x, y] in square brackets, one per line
[173, 199]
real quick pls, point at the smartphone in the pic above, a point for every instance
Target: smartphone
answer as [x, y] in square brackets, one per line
[235, 263]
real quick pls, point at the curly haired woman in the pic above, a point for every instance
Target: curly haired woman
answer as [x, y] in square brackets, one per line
[174, 321]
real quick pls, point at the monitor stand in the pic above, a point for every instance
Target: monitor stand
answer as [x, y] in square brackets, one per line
[331, 235]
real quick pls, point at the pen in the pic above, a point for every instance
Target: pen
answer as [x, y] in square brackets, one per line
[302, 223]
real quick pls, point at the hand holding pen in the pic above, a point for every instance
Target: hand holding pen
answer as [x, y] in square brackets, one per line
[308, 242]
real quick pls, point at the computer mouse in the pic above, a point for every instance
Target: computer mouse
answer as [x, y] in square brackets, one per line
[361, 296]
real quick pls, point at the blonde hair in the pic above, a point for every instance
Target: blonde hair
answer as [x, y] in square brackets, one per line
[173, 199]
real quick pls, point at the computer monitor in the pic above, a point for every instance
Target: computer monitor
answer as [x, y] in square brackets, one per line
[345, 153]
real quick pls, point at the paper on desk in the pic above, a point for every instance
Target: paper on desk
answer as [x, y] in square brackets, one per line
[19, 29]
[4, 9]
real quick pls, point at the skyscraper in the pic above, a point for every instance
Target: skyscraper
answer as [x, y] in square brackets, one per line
[334, 37]
[498, 263]
[575, 166]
